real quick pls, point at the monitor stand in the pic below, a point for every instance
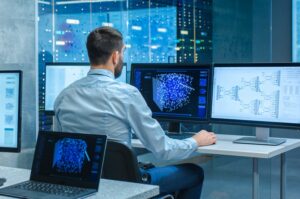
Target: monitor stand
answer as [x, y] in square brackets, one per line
[174, 131]
[174, 128]
[262, 138]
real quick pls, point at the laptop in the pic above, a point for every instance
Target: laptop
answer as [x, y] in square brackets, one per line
[65, 166]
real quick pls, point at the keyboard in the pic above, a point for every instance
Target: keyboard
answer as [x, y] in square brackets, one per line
[180, 136]
[55, 189]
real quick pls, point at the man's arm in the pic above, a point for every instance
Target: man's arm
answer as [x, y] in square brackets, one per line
[150, 133]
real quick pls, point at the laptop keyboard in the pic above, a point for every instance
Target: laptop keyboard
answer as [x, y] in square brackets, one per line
[54, 189]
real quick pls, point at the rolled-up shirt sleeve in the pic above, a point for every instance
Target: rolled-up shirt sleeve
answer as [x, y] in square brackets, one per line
[150, 133]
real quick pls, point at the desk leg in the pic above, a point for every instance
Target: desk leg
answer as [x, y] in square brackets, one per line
[255, 186]
[282, 176]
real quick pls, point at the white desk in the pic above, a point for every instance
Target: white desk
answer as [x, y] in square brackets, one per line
[108, 189]
[225, 146]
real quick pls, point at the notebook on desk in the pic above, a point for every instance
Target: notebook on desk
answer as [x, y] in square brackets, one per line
[65, 166]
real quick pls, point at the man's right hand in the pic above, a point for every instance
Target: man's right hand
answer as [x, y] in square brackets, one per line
[204, 138]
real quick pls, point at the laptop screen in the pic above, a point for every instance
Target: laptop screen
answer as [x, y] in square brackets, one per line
[69, 159]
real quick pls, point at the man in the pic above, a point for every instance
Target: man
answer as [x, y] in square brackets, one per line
[100, 104]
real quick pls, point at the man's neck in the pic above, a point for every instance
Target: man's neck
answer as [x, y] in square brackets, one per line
[105, 67]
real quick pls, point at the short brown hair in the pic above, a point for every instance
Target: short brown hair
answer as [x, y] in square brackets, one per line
[102, 42]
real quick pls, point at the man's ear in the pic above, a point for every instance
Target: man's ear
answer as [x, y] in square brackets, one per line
[115, 57]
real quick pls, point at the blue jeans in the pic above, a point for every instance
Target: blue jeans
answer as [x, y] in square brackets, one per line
[185, 179]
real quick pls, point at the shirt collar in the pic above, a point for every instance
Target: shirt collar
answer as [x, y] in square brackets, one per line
[103, 72]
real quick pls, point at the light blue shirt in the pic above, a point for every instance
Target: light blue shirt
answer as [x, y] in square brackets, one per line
[98, 104]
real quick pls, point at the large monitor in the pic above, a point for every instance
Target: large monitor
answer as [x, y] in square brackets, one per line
[261, 95]
[10, 110]
[174, 92]
[61, 75]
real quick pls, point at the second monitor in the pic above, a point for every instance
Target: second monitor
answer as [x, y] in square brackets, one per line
[260, 95]
[61, 75]
[174, 92]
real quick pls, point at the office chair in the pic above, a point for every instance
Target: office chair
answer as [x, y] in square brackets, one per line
[120, 163]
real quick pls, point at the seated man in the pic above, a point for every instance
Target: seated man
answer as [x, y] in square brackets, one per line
[100, 104]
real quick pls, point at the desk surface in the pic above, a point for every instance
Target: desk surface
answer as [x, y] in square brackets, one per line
[110, 189]
[225, 146]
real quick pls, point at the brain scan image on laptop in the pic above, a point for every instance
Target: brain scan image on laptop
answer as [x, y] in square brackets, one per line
[70, 155]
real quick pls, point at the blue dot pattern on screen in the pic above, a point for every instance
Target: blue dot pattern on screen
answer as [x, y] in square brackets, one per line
[69, 155]
[172, 91]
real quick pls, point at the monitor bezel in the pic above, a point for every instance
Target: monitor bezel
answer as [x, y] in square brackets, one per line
[179, 65]
[250, 123]
[18, 147]
[47, 64]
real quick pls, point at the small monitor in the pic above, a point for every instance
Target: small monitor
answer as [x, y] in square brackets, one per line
[174, 92]
[61, 75]
[261, 95]
[10, 110]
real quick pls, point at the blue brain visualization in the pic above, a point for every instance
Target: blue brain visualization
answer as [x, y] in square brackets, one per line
[172, 91]
[69, 155]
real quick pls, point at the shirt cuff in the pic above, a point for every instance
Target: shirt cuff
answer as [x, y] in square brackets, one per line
[193, 142]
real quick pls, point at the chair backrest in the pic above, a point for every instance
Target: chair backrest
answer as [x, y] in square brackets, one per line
[120, 163]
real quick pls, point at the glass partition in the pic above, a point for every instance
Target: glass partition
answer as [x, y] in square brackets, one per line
[178, 31]
[154, 31]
